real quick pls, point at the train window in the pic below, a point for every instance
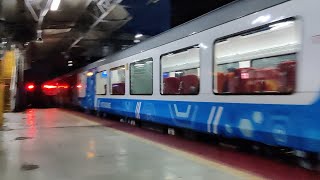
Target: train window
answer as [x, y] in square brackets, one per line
[259, 61]
[141, 80]
[181, 72]
[118, 79]
[101, 83]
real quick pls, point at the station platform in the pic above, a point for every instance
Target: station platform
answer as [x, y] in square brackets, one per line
[54, 144]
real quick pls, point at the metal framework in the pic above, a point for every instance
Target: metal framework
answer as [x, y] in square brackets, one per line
[105, 7]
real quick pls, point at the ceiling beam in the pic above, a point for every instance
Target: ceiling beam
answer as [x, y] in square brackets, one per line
[43, 13]
[31, 10]
[112, 4]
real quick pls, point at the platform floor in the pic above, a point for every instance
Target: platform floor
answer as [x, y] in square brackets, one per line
[52, 144]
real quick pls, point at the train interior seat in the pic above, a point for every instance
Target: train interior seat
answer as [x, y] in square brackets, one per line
[118, 88]
[171, 85]
[221, 81]
[243, 80]
[267, 80]
[288, 75]
[279, 79]
[189, 84]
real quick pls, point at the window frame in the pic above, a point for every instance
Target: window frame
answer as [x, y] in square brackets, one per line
[251, 31]
[105, 86]
[115, 68]
[176, 52]
[132, 63]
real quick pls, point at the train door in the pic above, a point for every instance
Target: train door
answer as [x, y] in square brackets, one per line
[90, 90]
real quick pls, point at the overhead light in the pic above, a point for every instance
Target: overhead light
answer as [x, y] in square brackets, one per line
[136, 41]
[261, 19]
[139, 35]
[55, 5]
[281, 25]
[70, 65]
[89, 74]
[139, 65]
[70, 62]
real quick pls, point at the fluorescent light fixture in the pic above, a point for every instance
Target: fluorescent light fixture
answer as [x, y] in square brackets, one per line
[55, 5]
[70, 65]
[70, 62]
[281, 25]
[136, 41]
[261, 19]
[139, 35]
[139, 65]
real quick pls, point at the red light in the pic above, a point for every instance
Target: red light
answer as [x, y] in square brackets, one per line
[63, 86]
[46, 86]
[50, 89]
[30, 87]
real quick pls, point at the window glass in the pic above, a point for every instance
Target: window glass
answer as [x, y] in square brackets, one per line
[227, 67]
[272, 61]
[181, 72]
[101, 83]
[141, 77]
[260, 61]
[118, 79]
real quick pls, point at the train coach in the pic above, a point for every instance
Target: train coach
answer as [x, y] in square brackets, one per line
[247, 70]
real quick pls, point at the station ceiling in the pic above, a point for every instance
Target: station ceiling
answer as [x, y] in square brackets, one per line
[83, 31]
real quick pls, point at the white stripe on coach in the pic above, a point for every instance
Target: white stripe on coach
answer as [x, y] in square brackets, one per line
[210, 119]
[217, 120]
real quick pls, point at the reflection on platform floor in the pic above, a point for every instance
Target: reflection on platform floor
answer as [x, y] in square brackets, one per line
[53, 144]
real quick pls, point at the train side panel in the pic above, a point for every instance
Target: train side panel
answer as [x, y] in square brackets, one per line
[288, 120]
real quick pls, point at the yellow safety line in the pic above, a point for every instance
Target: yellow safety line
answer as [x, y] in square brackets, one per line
[215, 165]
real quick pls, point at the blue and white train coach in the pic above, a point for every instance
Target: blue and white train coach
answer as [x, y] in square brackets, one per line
[248, 70]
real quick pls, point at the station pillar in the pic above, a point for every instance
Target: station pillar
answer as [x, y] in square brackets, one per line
[7, 83]
[2, 85]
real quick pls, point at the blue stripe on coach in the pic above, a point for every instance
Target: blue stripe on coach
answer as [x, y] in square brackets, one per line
[294, 126]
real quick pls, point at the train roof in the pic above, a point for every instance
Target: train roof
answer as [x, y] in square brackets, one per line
[224, 14]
